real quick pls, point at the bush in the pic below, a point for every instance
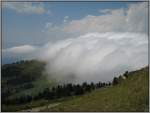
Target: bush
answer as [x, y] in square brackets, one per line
[126, 74]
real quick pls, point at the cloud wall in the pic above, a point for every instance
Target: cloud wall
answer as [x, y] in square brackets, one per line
[90, 57]
[95, 56]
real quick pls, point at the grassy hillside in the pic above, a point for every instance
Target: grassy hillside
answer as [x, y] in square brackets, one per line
[130, 94]
[27, 78]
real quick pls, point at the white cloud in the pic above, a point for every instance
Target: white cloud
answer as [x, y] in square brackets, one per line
[95, 56]
[102, 46]
[130, 19]
[90, 57]
[17, 53]
[133, 19]
[20, 49]
[66, 19]
[25, 7]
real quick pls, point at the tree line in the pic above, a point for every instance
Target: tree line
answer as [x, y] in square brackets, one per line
[65, 90]
[59, 91]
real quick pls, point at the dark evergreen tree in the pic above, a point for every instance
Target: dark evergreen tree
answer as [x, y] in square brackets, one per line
[92, 85]
[115, 81]
[126, 74]
[78, 90]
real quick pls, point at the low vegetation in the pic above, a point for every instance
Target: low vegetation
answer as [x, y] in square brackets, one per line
[130, 94]
[31, 88]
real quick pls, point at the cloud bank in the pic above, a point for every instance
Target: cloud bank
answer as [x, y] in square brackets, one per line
[20, 49]
[23, 52]
[95, 56]
[90, 57]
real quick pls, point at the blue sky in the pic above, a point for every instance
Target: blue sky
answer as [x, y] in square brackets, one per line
[26, 28]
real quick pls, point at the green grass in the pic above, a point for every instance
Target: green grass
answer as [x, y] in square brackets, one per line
[130, 95]
[13, 108]
[32, 104]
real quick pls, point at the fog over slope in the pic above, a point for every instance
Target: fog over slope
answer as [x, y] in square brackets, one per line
[95, 56]
[90, 57]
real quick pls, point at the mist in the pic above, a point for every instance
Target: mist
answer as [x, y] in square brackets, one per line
[91, 57]
[94, 56]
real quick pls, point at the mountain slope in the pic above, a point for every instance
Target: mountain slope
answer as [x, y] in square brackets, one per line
[130, 94]
[23, 78]
[28, 78]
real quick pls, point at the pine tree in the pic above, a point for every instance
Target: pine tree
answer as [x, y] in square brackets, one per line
[115, 81]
